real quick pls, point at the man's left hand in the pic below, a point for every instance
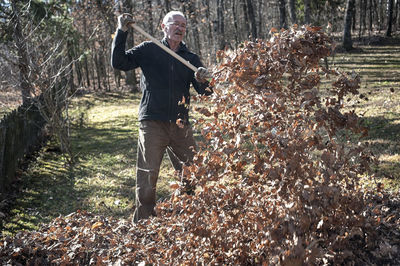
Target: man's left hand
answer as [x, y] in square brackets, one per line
[202, 75]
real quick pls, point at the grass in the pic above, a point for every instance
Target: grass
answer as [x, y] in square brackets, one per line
[104, 134]
[378, 104]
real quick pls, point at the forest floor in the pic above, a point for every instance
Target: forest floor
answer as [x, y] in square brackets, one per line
[104, 132]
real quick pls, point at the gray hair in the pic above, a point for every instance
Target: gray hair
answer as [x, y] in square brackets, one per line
[171, 14]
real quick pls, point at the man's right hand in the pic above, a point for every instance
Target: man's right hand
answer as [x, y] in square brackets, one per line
[202, 74]
[124, 20]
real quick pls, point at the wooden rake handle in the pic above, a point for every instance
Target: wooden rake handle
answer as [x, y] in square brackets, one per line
[162, 46]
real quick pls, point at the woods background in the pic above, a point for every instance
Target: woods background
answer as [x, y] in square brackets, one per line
[68, 43]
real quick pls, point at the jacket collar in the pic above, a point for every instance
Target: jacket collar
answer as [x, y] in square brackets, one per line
[182, 45]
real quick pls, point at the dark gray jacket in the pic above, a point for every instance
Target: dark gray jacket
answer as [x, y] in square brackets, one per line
[164, 79]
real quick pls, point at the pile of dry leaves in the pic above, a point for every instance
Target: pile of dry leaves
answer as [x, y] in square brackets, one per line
[277, 177]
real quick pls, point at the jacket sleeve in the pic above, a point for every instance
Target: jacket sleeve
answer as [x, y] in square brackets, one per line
[120, 59]
[200, 87]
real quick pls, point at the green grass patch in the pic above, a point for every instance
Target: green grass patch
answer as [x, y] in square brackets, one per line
[102, 181]
[378, 104]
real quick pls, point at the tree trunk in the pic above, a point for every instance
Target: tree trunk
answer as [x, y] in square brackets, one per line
[370, 17]
[220, 25]
[235, 22]
[195, 31]
[307, 11]
[85, 56]
[390, 17]
[208, 24]
[260, 19]
[85, 60]
[282, 14]
[347, 42]
[363, 13]
[246, 19]
[98, 72]
[364, 20]
[103, 70]
[252, 18]
[292, 8]
[376, 17]
[71, 69]
[397, 20]
[78, 70]
[150, 17]
[130, 76]
[167, 6]
[23, 66]
[353, 17]
[381, 11]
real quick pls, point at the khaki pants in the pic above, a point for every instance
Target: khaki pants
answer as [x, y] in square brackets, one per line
[154, 138]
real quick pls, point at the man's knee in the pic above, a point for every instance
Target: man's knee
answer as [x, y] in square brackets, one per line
[146, 195]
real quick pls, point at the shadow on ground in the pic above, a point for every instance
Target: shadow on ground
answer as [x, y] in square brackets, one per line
[383, 139]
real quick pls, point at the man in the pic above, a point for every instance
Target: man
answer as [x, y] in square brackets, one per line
[163, 113]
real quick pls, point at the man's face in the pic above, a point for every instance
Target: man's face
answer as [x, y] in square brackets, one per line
[175, 28]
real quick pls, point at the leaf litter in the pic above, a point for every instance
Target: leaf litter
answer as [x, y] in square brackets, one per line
[277, 178]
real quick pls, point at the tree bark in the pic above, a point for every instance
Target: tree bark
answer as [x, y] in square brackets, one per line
[390, 18]
[381, 11]
[235, 21]
[307, 11]
[192, 17]
[23, 65]
[260, 19]
[208, 25]
[252, 18]
[220, 25]
[150, 17]
[292, 8]
[97, 65]
[71, 55]
[78, 69]
[353, 17]
[167, 6]
[370, 17]
[347, 41]
[130, 76]
[397, 16]
[246, 18]
[85, 57]
[282, 14]
[363, 12]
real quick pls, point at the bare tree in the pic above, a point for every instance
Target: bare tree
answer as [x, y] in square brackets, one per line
[150, 11]
[208, 23]
[126, 6]
[21, 45]
[220, 25]
[363, 13]
[260, 18]
[45, 60]
[282, 14]
[252, 17]
[167, 6]
[307, 12]
[194, 32]
[347, 41]
[292, 9]
[235, 21]
[246, 18]
[390, 18]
